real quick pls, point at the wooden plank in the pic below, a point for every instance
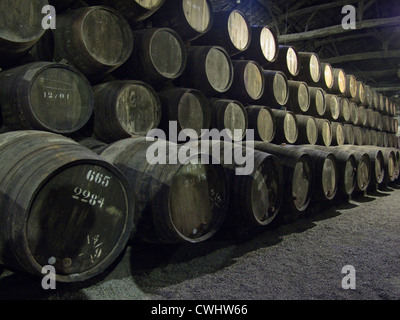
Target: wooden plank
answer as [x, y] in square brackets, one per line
[363, 56]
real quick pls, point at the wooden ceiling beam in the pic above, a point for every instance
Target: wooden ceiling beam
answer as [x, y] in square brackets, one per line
[363, 56]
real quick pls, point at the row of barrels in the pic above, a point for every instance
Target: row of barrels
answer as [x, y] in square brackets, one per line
[76, 209]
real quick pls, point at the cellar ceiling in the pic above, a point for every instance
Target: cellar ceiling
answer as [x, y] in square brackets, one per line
[371, 51]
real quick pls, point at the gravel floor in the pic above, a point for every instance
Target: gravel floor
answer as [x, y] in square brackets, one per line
[301, 260]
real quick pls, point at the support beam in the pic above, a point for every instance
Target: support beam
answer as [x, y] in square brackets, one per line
[378, 74]
[363, 56]
[387, 89]
[334, 30]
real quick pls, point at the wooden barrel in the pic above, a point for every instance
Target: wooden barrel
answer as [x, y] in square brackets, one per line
[324, 132]
[351, 87]
[344, 110]
[178, 202]
[386, 105]
[368, 96]
[332, 107]
[20, 28]
[381, 103]
[310, 70]
[386, 125]
[308, 131]
[230, 30]
[256, 198]
[358, 136]
[158, 57]
[362, 118]
[339, 81]
[62, 205]
[248, 81]
[326, 80]
[299, 97]
[91, 143]
[371, 119]
[125, 108]
[387, 163]
[208, 69]
[287, 130]
[262, 121]
[360, 95]
[338, 134]
[45, 96]
[229, 115]
[298, 177]
[353, 113]
[263, 47]
[84, 37]
[276, 92]
[349, 137]
[367, 138]
[318, 106]
[364, 167]
[346, 165]
[375, 100]
[287, 61]
[188, 107]
[374, 138]
[190, 18]
[134, 11]
[326, 173]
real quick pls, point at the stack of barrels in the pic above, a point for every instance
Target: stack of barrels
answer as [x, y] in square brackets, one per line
[85, 170]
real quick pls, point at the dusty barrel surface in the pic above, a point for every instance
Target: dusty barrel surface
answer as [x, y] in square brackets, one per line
[310, 70]
[230, 29]
[256, 197]
[351, 87]
[349, 134]
[287, 61]
[190, 18]
[326, 80]
[188, 107]
[96, 40]
[324, 132]
[20, 27]
[276, 92]
[353, 113]
[209, 69]
[248, 82]
[362, 117]
[231, 116]
[125, 108]
[332, 107]
[339, 81]
[158, 56]
[338, 134]
[45, 96]
[263, 47]
[298, 177]
[299, 97]
[286, 127]
[62, 205]
[177, 201]
[318, 106]
[308, 130]
[344, 110]
[262, 121]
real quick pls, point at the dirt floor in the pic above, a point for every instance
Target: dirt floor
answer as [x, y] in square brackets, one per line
[300, 260]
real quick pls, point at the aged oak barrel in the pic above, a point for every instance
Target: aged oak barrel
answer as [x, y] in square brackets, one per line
[308, 130]
[256, 197]
[358, 136]
[287, 61]
[310, 68]
[177, 201]
[96, 40]
[367, 139]
[190, 18]
[338, 134]
[324, 132]
[286, 127]
[318, 106]
[61, 205]
[353, 113]
[364, 166]
[344, 110]
[332, 107]
[248, 81]
[362, 118]
[134, 10]
[339, 82]
[348, 134]
[368, 96]
[230, 30]
[209, 69]
[158, 56]
[20, 27]
[276, 92]
[229, 115]
[263, 47]
[45, 96]
[351, 87]
[262, 121]
[188, 107]
[374, 138]
[326, 173]
[299, 97]
[347, 167]
[360, 96]
[125, 108]
[371, 119]
[298, 176]
[326, 80]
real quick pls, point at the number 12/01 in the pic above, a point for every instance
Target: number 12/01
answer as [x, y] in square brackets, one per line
[88, 197]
